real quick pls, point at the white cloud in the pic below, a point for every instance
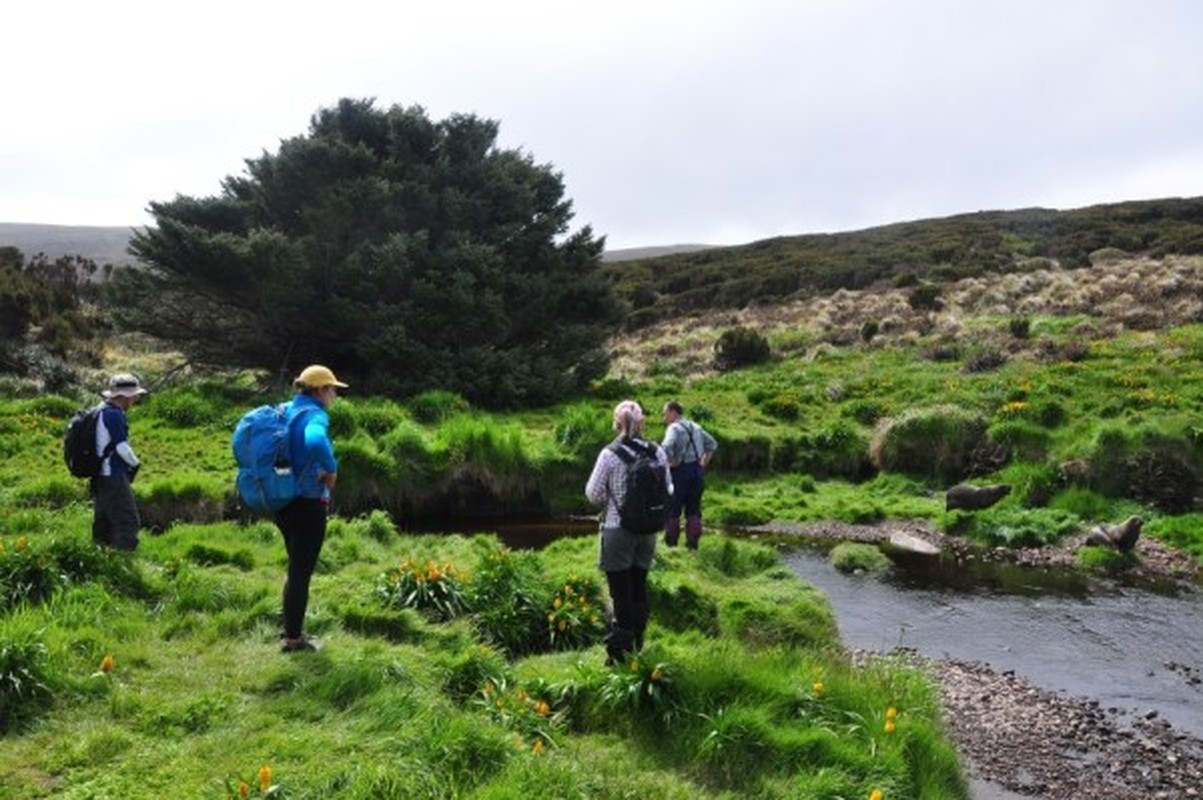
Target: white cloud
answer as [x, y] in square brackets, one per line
[671, 121]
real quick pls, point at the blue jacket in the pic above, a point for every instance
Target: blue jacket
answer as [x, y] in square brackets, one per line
[309, 443]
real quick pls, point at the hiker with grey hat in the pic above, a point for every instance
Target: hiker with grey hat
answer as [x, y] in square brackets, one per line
[115, 520]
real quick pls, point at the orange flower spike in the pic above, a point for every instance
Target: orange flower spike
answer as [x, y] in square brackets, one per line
[108, 664]
[244, 791]
[21, 544]
[542, 708]
[538, 747]
[657, 674]
[265, 778]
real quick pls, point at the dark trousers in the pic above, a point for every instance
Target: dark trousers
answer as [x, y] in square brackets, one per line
[303, 523]
[628, 591]
[689, 481]
[115, 520]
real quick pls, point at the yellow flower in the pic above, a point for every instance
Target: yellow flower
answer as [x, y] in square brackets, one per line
[20, 543]
[558, 603]
[108, 663]
[542, 708]
[568, 589]
[891, 713]
[876, 794]
[561, 626]
[265, 778]
[889, 728]
[244, 791]
[551, 617]
[537, 748]
[818, 688]
[657, 674]
[635, 665]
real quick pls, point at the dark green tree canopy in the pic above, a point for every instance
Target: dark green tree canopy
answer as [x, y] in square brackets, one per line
[406, 253]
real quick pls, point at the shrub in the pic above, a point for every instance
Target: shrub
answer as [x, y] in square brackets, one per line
[937, 441]
[740, 347]
[435, 405]
[507, 601]
[1020, 327]
[25, 682]
[984, 359]
[925, 297]
[1162, 478]
[783, 406]
[432, 588]
[28, 574]
[577, 616]
[1048, 413]
[472, 670]
[866, 412]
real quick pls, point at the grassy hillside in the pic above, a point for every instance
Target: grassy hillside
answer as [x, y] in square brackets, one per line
[774, 270]
[101, 244]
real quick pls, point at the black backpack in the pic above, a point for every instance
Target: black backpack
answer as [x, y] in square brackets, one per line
[79, 445]
[644, 507]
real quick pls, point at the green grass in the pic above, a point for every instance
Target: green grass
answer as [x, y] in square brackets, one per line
[199, 695]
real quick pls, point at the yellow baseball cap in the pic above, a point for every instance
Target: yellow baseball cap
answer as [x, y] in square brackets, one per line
[316, 376]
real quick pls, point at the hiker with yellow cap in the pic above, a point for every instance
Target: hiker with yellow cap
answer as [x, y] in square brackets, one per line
[303, 521]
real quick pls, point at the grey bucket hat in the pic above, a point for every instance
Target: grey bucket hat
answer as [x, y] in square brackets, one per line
[123, 384]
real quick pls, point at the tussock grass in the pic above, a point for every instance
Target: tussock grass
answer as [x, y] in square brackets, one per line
[401, 702]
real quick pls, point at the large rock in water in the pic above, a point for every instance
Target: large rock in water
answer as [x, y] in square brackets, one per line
[913, 544]
[1122, 536]
[974, 498]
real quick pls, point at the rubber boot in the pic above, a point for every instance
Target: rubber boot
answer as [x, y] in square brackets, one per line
[619, 642]
[672, 531]
[693, 531]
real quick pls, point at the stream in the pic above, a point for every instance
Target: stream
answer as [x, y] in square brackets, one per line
[1124, 646]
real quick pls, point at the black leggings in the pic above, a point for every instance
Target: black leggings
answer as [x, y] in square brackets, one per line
[628, 591]
[303, 523]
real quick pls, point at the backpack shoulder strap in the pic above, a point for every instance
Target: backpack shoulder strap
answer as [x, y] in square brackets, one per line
[622, 450]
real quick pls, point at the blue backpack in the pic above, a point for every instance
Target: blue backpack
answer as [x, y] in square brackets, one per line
[266, 482]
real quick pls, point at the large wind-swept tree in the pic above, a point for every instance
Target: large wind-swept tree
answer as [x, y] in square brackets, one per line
[407, 253]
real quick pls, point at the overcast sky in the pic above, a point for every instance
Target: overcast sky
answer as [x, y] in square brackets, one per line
[671, 121]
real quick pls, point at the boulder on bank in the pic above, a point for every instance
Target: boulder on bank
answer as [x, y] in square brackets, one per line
[974, 498]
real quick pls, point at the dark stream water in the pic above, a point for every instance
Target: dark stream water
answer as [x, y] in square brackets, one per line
[1125, 646]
